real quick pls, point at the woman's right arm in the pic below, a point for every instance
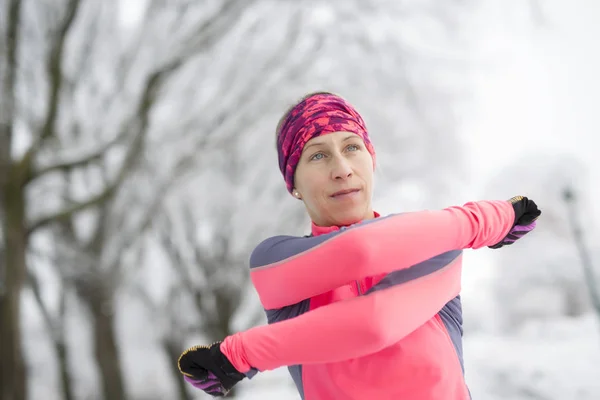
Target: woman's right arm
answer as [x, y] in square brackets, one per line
[346, 329]
[286, 270]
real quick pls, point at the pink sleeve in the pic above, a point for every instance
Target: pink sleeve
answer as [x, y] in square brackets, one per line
[291, 270]
[346, 329]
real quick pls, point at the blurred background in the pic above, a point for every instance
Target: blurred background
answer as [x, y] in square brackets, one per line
[138, 170]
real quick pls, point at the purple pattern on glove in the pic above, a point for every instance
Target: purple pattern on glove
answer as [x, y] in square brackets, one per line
[517, 232]
[211, 384]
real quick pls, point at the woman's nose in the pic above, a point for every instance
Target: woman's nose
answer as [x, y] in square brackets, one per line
[342, 169]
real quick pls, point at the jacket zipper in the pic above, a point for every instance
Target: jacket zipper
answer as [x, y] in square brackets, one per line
[358, 288]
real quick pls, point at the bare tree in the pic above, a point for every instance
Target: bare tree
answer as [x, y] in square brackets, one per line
[90, 132]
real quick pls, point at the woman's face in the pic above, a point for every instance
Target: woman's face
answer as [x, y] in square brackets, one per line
[334, 179]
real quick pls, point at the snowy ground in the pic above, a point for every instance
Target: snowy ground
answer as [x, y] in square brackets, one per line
[551, 360]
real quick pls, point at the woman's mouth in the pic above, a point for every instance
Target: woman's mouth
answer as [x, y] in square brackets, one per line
[346, 193]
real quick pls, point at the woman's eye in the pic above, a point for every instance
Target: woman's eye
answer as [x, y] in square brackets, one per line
[316, 156]
[353, 147]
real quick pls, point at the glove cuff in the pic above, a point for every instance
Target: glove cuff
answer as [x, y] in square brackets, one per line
[226, 372]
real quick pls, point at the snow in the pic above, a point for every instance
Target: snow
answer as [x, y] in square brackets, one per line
[555, 359]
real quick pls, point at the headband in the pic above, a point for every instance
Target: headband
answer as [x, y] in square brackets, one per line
[314, 116]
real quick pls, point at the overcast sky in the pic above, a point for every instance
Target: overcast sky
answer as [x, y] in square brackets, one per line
[537, 88]
[533, 89]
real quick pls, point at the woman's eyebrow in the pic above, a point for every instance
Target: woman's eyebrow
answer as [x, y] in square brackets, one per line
[351, 136]
[314, 144]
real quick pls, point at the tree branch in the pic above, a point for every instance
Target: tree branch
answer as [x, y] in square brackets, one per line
[140, 124]
[68, 212]
[7, 89]
[50, 323]
[173, 253]
[215, 28]
[138, 290]
[244, 104]
[91, 33]
[149, 215]
[537, 12]
[81, 161]
[55, 74]
[54, 68]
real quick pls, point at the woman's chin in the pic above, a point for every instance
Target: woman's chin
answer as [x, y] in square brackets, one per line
[349, 217]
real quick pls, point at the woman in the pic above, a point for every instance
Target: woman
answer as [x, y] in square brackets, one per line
[366, 307]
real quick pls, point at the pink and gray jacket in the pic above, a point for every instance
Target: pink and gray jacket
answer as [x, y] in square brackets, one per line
[370, 311]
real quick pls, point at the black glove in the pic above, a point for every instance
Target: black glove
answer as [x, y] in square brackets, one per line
[526, 212]
[208, 369]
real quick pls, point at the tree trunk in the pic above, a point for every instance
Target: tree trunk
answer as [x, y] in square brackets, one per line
[105, 348]
[12, 372]
[12, 216]
[55, 326]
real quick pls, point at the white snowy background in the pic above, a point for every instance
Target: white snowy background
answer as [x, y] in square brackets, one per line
[466, 100]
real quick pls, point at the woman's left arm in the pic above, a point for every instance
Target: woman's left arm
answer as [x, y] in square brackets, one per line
[286, 270]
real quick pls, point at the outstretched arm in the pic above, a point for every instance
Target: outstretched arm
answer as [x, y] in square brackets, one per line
[350, 328]
[286, 270]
